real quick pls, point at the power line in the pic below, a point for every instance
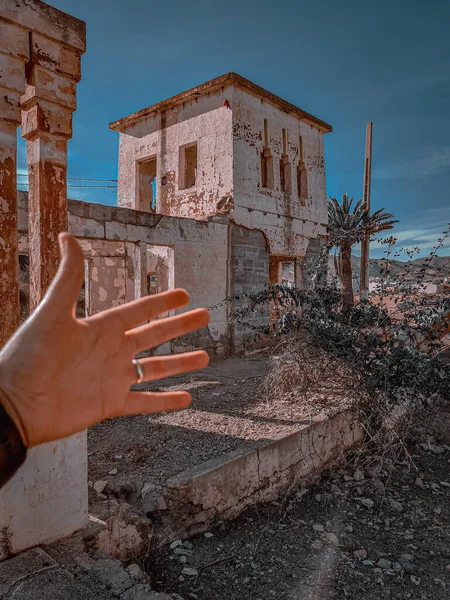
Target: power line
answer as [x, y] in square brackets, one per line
[76, 178]
[101, 187]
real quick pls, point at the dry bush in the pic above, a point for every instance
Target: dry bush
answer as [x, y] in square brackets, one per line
[302, 372]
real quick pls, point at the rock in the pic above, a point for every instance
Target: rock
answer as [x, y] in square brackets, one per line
[333, 539]
[367, 502]
[361, 554]
[183, 560]
[359, 491]
[208, 534]
[415, 580]
[175, 544]
[434, 448]
[137, 573]
[367, 563]
[378, 485]
[113, 472]
[318, 527]
[190, 571]
[317, 545]
[349, 528]
[154, 504]
[383, 563]
[419, 482]
[395, 505]
[348, 477]
[182, 551]
[99, 486]
[335, 490]
[111, 573]
[445, 484]
[406, 561]
[188, 545]
[358, 475]
[147, 489]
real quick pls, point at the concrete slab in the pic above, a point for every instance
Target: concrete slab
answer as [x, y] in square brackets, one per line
[36, 575]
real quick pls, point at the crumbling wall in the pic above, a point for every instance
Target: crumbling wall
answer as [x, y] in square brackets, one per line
[200, 252]
[205, 121]
[287, 221]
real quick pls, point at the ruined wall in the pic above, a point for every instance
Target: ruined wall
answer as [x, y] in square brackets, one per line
[204, 120]
[200, 261]
[287, 220]
[249, 273]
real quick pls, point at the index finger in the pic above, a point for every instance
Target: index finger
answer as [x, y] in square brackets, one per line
[143, 309]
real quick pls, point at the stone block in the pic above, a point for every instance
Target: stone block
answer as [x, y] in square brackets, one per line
[9, 104]
[54, 56]
[14, 41]
[78, 208]
[147, 219]
[46, 117]
[100, 212]
[39, 16]
[12, 73]
[47, 85]
[124, 215]
[82, 227]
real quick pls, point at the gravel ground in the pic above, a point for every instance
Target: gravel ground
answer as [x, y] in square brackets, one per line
[229, 413]
[378, 531]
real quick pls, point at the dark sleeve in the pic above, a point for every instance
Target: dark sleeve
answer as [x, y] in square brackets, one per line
[12, 450]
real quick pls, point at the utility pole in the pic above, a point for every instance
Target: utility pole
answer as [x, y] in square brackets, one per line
[364, 275]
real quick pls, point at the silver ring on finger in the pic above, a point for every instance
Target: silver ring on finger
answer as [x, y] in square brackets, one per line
[139, 371]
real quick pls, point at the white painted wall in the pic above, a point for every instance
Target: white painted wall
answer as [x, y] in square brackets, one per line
[287, 224]
[204, 120]
[47, 499]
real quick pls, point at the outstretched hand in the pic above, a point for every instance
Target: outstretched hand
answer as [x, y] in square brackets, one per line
[59, 374]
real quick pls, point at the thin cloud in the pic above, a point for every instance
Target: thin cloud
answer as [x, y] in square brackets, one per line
[436, 161]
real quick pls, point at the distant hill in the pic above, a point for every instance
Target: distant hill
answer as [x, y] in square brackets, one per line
[436, 270]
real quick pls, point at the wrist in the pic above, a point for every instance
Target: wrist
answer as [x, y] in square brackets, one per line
[12, 448]
[7, 406]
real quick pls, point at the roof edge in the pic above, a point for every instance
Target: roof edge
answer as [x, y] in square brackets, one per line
[224, 80]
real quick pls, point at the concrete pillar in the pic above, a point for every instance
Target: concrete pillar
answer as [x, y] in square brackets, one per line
[47, 107]
[14, 52]
[47, 498]
[136, 270]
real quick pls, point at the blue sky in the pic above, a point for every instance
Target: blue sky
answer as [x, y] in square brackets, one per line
[346, 62]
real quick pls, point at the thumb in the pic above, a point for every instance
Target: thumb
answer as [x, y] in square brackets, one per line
[65, 288]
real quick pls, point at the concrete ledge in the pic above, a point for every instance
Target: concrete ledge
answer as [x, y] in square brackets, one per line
[222, 490]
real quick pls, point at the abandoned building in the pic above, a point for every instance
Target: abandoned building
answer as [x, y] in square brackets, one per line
[219, 188]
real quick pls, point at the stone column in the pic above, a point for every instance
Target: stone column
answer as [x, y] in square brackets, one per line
[14, 53]
[47, 107]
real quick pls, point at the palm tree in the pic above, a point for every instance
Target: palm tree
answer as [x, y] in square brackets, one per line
[348, 226]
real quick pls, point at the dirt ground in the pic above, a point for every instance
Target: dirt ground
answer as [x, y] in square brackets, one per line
[230, 412]
[378, 531]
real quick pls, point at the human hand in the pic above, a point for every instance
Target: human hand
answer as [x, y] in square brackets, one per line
[60, 375]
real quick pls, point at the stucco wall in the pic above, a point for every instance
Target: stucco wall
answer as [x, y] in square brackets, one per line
[200, 260]
[286, 221]
[204, 120]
